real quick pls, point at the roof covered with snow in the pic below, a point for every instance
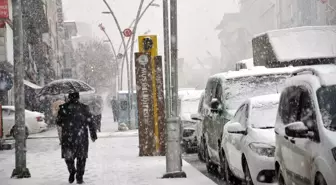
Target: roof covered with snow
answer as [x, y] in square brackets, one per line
[258, 101]
[303, 43]
[326, 73]
[256, 71]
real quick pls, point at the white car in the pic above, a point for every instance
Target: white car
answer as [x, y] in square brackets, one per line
[34, 121]
[305, 128]
[248, 142]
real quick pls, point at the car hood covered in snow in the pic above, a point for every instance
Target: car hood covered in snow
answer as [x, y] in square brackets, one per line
[263, 136]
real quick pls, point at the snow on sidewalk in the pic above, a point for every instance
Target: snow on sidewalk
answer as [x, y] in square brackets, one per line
[112, 161]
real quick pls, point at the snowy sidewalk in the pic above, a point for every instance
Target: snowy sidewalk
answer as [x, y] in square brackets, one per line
[112, 161]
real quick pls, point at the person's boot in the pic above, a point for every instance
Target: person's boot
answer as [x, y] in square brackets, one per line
[79, 179]
[72, 177]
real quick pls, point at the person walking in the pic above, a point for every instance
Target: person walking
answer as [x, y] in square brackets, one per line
[55, 108]
[115, 109]
[75, 120]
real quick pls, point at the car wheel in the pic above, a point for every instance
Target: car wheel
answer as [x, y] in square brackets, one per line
[229, 177]
[201, 151]
[281, 180]
[248, 177]
[320, 180]
[222, 165]
[211, 167]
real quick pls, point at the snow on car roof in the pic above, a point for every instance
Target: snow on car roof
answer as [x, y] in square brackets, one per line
[309, 42]
[255, 71]
[249, 63]
[326, 73]
[258, 101]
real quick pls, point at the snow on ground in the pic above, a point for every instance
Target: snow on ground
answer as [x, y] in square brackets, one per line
[112, 161]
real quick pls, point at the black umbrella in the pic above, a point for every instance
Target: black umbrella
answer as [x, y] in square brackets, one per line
[65, 86]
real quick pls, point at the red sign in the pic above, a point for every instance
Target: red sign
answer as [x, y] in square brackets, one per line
[4, 13]
[127, 32]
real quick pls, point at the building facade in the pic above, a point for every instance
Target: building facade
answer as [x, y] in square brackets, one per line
[298, 13]
[236, 30]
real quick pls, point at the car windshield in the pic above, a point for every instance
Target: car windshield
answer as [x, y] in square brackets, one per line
[240, 89]
[189, 106]
[327, 103]
[263, 115]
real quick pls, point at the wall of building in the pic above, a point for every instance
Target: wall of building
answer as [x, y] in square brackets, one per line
[296, 13]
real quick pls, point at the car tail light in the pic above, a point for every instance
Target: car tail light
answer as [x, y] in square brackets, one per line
[39, 118]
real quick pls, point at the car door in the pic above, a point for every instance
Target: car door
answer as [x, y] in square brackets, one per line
[209, 116]
[238, 141]
[8, 120]
[288, 113]
[302, 148]
[231, 139]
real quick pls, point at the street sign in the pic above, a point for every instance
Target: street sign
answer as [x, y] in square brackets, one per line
[4, 12]
[6, 82]
[148, 44]
[120, 56]
[127, 32]
[144, 92]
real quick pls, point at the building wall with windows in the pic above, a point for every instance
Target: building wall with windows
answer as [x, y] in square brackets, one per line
[297, 13]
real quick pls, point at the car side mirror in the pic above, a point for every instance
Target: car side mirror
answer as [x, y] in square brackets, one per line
[196, 117]
[215, 106]
[298, 130]
[236, 128]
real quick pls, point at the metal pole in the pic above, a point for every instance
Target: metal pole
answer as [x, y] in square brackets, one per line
[125, 48]
[128, 42]
[21, 170]
[167, 57]
[173, 157]
[131, 59]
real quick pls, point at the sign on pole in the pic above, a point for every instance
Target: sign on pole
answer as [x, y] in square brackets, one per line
[127, 32]
[145, 104]
[160, 104]
[4, 12]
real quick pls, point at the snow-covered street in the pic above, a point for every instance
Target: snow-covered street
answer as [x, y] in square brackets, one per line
[113, 160]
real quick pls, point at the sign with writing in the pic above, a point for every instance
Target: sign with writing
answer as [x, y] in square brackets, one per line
[145, 103]
[60, 31]
[4, 13]
[160, 104]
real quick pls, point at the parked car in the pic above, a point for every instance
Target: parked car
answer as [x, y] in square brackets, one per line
[225, 92]
[189, 105]
[248, 142]
[34, 121]
[198, 118]
[306, 128]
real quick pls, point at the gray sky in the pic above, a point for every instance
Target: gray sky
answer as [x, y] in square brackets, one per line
[197, 20]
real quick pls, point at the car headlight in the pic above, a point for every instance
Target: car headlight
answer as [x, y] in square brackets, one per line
[263, 149]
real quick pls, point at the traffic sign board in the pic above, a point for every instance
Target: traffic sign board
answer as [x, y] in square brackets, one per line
[127, 32]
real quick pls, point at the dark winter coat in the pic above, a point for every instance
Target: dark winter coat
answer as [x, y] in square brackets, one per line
[115, 106]
[75, 120]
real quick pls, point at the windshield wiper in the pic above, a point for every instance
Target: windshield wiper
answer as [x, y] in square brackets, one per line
[269, 127]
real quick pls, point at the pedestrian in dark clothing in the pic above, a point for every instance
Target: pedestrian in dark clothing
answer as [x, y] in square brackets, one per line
[115, 109]
[75, 119]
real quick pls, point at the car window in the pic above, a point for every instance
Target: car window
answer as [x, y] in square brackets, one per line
[200, 105]
[210, 91]
[307, 113]
[289, 105]
[239, 114]
[244, 115]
